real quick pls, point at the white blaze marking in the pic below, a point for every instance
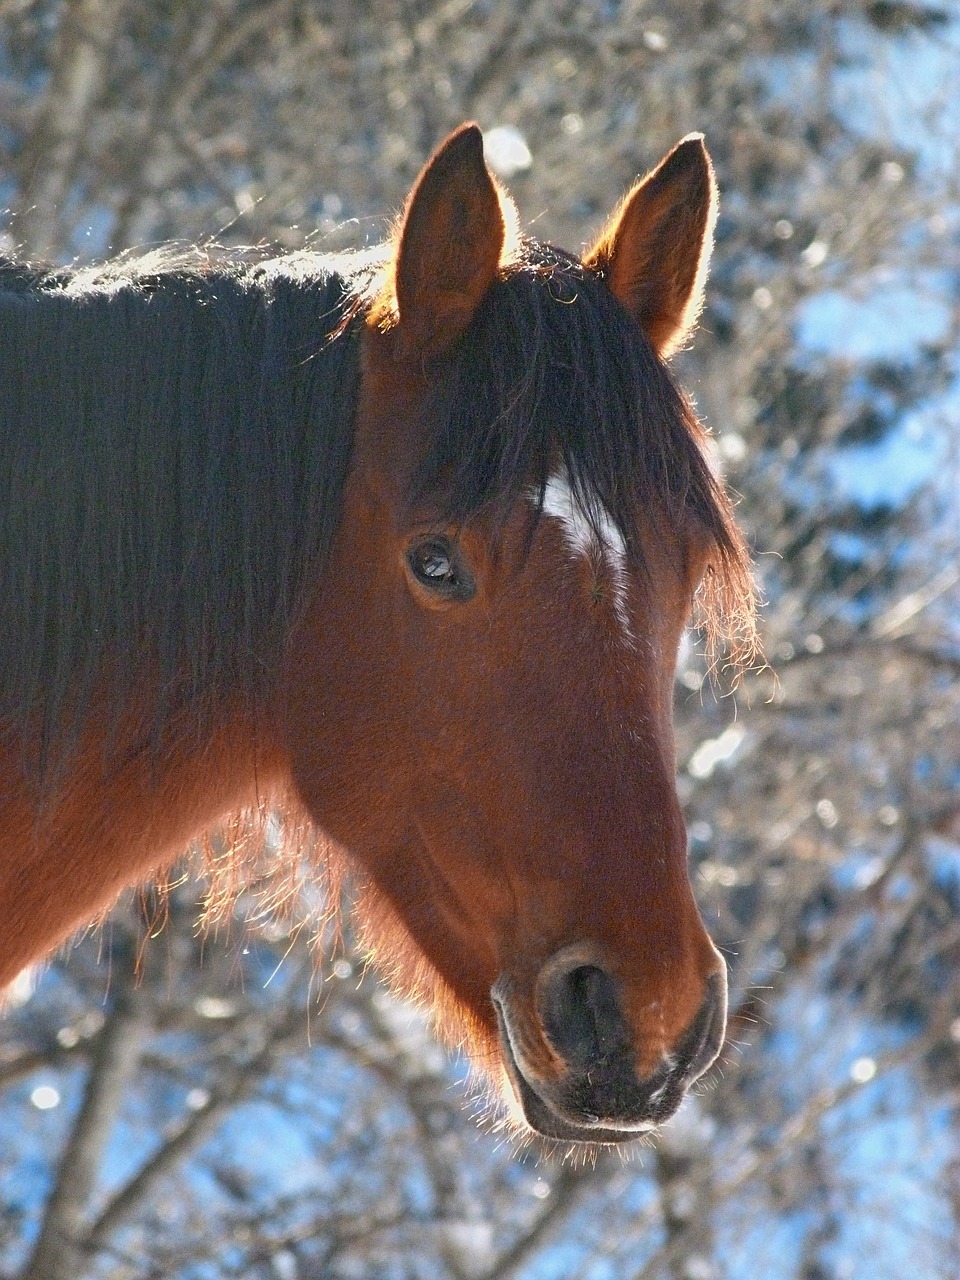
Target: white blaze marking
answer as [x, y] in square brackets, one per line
[581, 537]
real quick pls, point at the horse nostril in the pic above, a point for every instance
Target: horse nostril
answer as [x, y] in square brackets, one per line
[581, 1015]
[706, 1035]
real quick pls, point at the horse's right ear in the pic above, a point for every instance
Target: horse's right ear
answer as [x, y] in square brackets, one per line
[655, 250]
[449, 248]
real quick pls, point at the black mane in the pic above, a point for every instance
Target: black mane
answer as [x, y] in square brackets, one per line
[174, 437]
[553, 373]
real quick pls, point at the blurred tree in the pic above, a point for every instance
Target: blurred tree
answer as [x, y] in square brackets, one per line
[220, 1107]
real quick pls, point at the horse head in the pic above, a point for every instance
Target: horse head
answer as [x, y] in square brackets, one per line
[478, 698]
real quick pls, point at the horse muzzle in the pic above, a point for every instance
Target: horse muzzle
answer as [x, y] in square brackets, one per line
[595, 1093]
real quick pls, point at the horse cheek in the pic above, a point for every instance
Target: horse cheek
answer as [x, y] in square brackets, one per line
[341, 720]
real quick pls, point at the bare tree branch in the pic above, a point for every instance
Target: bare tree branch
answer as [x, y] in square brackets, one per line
[49, 162]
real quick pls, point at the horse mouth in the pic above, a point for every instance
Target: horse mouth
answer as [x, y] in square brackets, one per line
[645, 1104]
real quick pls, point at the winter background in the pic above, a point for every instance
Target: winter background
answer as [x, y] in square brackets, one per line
[237, 1110]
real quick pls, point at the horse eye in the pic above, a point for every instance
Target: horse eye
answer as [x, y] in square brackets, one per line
[438, 565]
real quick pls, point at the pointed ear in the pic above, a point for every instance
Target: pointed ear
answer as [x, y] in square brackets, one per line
[449, 248]
[655, 250]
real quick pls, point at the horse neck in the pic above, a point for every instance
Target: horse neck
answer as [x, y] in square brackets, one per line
[123, 803]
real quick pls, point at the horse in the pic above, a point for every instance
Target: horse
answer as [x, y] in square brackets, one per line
[404, 544]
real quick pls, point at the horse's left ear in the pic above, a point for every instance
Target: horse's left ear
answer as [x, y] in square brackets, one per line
[451, 240]
[655, 250]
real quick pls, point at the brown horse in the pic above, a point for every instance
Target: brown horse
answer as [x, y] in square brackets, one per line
[406, 542]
